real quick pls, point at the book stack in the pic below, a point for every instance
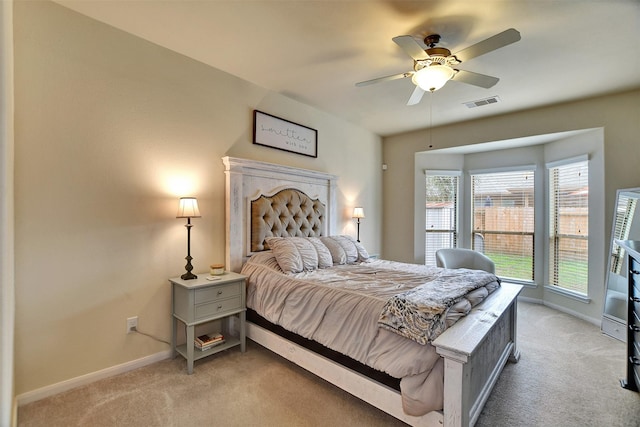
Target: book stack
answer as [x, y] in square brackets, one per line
[205, 342]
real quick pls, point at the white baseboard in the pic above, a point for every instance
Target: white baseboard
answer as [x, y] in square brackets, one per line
[50, 390]
[596, 322]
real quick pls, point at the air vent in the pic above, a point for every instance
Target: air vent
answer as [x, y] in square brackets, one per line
[481, 102]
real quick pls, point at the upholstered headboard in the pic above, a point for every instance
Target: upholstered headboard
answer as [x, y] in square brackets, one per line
[303, 200]
[288, 213]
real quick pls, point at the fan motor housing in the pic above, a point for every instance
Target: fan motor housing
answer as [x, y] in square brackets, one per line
[438, 51]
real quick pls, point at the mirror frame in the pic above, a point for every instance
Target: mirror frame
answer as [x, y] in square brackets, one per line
[617, 326]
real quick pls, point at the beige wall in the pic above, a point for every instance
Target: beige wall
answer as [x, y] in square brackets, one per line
[110, 131]
[618, 115]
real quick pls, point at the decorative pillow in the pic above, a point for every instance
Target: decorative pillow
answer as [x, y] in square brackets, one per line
[363, 255]
[338, 255]
[343, 249]
[294, 254]
[324, 256]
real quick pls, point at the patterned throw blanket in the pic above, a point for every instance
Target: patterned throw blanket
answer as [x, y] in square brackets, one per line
[418, 314]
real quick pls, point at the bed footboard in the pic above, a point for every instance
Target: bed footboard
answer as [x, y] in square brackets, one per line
[475, 350]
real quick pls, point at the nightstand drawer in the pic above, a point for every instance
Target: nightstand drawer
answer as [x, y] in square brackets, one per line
[218, 307]
[216, 293]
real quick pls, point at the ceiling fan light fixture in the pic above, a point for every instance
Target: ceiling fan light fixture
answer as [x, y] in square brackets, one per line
[433, 77]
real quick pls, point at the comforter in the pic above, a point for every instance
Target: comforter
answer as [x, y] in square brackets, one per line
[357, 310]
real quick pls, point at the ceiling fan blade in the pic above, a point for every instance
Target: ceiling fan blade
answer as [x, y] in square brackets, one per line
[492, 43]
[411, 47]
[475, 79]
[416, 96]
[384, 79]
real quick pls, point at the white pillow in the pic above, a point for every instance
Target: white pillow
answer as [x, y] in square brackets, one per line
[324, 255]
[363, 255]
[345, 249]
[294, 254]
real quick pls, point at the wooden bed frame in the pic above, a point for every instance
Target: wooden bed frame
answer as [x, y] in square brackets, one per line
[475, 349]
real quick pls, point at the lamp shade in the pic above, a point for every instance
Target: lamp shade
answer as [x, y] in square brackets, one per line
[188, 208]
[432, 77]
[358, 212]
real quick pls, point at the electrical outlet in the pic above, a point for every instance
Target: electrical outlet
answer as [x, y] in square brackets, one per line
[132, 324]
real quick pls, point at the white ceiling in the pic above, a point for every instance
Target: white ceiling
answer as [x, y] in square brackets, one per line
[315, 51]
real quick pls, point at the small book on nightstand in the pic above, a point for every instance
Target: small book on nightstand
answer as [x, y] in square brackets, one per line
[205, 342]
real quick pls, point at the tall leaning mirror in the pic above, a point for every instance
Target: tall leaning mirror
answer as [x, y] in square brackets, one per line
[626, 226]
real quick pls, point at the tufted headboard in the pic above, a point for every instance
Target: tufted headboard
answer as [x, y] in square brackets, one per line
[264, 199]
[288, 213]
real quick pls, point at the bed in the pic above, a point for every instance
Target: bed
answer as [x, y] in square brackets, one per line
[436, 375]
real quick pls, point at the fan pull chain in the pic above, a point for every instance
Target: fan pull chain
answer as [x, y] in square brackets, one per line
[430, 119]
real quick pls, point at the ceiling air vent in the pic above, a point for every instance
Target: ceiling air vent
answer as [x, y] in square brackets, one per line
[481, 102]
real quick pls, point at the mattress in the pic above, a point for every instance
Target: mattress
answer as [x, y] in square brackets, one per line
[340, 307]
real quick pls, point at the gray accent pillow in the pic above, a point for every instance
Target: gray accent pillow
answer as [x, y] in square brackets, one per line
[345, 249]
[324, 255]
[294, 254]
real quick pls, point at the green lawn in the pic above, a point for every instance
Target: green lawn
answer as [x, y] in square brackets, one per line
[572, 274]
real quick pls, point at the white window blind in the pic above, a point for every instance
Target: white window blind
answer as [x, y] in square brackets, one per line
[569, 226]
[503, 221]
[441, 211]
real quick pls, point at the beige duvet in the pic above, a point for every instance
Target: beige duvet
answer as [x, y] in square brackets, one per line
[340, 307]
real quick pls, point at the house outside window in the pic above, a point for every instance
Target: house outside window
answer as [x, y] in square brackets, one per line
[441, 212]
[569, 225]
[503, 222]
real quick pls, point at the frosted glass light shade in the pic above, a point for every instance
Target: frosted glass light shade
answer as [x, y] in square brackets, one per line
[188, 208]
[433, 77]
[358, 212]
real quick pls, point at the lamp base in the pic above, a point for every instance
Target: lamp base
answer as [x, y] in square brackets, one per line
[188, 276]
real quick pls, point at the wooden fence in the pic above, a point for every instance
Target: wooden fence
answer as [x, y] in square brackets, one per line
[515, 227]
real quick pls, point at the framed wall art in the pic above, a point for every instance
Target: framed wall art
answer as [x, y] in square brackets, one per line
[274, 132]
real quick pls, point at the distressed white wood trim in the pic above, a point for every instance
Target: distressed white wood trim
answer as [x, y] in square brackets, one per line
[248, 179]
[475, 349]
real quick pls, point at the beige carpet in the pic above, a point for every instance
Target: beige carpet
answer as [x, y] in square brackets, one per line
[567, 376]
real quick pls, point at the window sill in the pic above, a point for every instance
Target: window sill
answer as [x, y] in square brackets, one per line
[525, 283]
[569, 294]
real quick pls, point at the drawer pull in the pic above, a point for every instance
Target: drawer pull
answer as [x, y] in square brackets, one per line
[634, 360]
[220, 307]
[219, 293]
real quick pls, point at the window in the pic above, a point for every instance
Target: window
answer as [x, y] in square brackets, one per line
[441, 212]
[569, 225]
[503, 221]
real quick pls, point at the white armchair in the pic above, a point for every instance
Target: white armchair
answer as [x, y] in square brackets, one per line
[464, 258]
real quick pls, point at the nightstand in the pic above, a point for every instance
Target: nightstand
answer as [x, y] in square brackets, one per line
[198, 301]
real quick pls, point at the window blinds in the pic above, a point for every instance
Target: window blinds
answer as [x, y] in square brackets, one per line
[503, 221]
[441, 214]
[569, 223]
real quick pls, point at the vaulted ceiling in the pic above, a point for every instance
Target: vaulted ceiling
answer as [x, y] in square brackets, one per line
[316, 50]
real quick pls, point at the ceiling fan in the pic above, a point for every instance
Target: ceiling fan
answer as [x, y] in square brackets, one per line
[433, 67]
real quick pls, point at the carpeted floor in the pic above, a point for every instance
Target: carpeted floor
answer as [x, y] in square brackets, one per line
[567, 376]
